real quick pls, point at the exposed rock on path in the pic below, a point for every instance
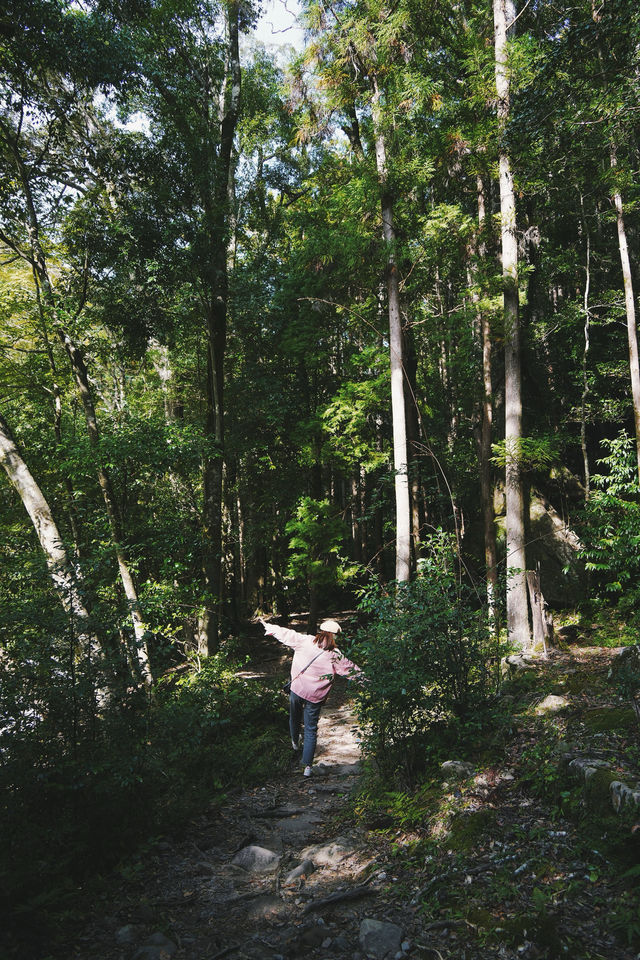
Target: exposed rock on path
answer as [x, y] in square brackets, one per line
[239, 885]
[491, 870]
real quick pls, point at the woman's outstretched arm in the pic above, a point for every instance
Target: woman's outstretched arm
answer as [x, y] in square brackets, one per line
[291, 638]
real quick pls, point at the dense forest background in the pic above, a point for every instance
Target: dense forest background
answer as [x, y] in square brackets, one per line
[280, 324]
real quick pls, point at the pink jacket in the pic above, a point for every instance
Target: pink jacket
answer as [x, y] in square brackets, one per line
[315, 683]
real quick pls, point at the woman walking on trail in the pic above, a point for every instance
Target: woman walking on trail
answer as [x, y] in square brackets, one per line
[316, 661]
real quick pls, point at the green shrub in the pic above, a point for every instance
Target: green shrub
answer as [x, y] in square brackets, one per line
[80, 792]
[611, 533]
[426, 652]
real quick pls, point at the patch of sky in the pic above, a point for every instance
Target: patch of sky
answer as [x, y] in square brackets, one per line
[279, 28]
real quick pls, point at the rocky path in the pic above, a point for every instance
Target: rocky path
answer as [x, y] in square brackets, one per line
[488, 868]
[271, 875]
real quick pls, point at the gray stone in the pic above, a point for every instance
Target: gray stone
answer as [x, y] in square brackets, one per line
[329, 854]
[130, 933]
[157, 947]
[298, 828]
[341, 943]
[456, 769]
[623, 795]
[515, 664]
[551, 704]
[627, 657]
[303, 870]
[584, 768]
[256, 859]
[379, 938]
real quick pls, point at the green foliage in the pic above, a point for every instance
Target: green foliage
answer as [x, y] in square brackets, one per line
[426, 653]
[317, 533]
[611, 531]
[625, 916]
[532, 453]
[80, 790]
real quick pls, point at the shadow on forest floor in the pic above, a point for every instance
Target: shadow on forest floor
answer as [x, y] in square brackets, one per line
[522, 857]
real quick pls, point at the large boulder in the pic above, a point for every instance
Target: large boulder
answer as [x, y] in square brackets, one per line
[380, 939]
[553, 545]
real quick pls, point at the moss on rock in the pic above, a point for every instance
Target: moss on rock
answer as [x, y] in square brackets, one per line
[604, 719]
[597, 788]
[467, 828]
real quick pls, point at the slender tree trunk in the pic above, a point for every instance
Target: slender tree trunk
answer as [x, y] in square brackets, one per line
[209, 625]
[517, 601]
[413, 435]
[486, 421]
[630, 307]
[585, 354]
[66, 580]
[355, 516]
[363, 512]
[219, 215]
[400, 459]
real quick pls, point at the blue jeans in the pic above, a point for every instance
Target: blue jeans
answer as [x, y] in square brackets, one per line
[300, 709]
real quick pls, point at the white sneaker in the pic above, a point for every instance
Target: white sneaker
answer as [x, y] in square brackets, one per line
[294, 744]
[307, 772]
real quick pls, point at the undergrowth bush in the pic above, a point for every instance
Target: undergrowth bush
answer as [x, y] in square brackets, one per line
[428, 653]
[78, 793]
[611, 531]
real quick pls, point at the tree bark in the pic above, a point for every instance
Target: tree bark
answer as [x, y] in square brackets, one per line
[65, 578]
[413, 436]
[630, 307]
[585, 354]
[486, 421]
[217, 205]
[517, 604]
[400, 459]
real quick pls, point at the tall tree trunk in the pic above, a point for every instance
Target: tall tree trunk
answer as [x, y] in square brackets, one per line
[486, 418]
[630, 306]
[209, 625]
[66, 580]
[517, 601]
[400, 459]
[217, 204]
[413, 435]
[585, 354]
[356, 516]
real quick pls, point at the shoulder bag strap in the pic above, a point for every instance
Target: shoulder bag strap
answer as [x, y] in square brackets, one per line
[308, 665]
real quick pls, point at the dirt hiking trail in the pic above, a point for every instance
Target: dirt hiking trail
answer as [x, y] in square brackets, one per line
[487, 868]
